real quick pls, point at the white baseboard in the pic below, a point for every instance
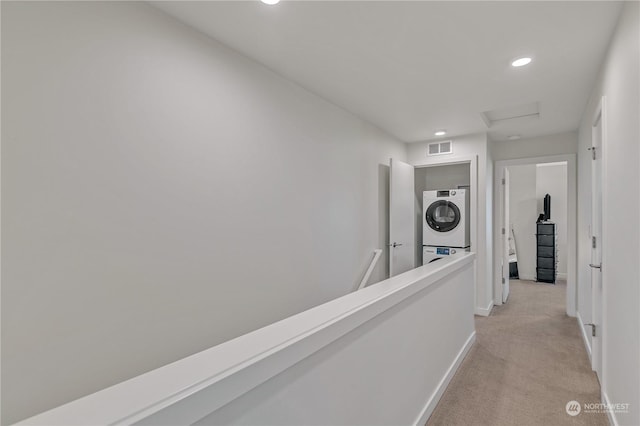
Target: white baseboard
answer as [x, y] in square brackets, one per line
[612, 416]
[527, 277]
[442, 386]
[560, 276]
[484, 312]
[585, 338]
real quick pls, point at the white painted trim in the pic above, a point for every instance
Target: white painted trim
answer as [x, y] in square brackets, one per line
[484, 312]
[600, 114]
[376, 256]
[604, 258]
[444, 383]
[559, 163]
[527, 277]
[454, 159]
[223, 373]
[613, 421]
[561, 276]
[585, 338]
[498, 173]
[572, 208]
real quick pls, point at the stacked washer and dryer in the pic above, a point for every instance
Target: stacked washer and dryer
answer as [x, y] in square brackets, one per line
[445, 223]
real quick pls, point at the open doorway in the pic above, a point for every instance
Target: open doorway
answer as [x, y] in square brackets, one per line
[531, 242]
[532, 256]
[406, 186]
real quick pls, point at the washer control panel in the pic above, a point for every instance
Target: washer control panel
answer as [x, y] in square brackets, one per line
[445, 251]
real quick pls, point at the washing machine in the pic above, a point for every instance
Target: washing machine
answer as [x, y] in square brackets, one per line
[445, 218]
[431, 254]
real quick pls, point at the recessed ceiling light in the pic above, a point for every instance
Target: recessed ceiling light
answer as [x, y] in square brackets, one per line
[270, 2]
[440, 133]
[520, 62]
[514, 137]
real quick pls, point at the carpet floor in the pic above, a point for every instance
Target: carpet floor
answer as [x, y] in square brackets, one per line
[527, 363]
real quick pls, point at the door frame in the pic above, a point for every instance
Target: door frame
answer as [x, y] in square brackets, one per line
[600, 114]
[572, 252]
[506, 225]
[472, 160]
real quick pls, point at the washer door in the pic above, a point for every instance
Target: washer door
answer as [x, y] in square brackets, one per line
[442, 216]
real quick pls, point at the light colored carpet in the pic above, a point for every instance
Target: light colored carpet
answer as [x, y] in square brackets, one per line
[528, 361]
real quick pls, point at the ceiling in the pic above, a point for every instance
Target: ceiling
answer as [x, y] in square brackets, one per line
[414, 67]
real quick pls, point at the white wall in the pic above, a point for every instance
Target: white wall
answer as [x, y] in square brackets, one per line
[464, 147]
[441, 177]
[375, 375]
[551, 178]
[162, 194]
[356, 360]
[619, 83]
[523, 212]
[562, 143]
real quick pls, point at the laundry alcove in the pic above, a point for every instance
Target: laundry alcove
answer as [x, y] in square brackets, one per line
[407, 184]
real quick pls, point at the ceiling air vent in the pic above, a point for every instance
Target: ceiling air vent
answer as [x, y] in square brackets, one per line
[439, 148]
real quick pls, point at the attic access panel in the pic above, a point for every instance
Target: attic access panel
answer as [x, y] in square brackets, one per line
[524, 111]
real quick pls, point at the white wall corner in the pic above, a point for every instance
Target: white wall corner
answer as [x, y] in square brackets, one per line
[484, 311]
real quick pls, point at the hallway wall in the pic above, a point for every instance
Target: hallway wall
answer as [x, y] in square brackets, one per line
[619, 83]
[561, 143]
[162, 194]
[475, 145]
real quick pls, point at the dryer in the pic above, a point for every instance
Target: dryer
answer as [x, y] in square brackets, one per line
[445, 218]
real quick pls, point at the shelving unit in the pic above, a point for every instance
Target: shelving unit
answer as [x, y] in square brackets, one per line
[547, 252]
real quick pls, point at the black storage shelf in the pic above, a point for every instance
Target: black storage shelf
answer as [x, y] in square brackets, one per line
[547, 261]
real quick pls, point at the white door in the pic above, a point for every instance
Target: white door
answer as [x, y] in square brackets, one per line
[596, 244]
[505, 235]
[402, 233]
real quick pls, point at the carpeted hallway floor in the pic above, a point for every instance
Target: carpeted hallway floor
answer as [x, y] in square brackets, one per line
[527, 363]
